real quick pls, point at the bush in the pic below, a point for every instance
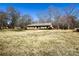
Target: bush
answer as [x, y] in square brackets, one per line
[49, 27]
[76, 30]
[17, 29]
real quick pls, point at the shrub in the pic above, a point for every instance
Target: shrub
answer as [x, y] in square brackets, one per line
[76, 30]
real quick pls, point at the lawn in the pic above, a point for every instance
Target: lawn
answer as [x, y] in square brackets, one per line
[39, 42]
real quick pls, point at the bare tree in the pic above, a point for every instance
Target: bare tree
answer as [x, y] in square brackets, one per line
[3, 21]
[24, 20]
[71, 15]
[13, 16]
[54, 15]
[43, 17]
[51, 15]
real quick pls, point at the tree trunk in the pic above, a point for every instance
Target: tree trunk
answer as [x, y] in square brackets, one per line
[68, 26]
[58, 27]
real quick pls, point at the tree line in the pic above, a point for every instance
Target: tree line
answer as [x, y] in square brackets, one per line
[12, 18]
[61, 18]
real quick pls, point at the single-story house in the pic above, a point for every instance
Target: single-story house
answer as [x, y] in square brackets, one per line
[40, 26]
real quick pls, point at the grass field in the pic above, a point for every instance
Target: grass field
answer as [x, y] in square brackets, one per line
[39, 42]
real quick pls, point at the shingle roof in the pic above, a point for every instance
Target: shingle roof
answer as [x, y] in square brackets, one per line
[40, 24]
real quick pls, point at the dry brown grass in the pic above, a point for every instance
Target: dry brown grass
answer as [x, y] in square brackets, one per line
[39, 42]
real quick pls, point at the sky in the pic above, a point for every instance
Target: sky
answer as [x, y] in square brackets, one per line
[33, 8]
